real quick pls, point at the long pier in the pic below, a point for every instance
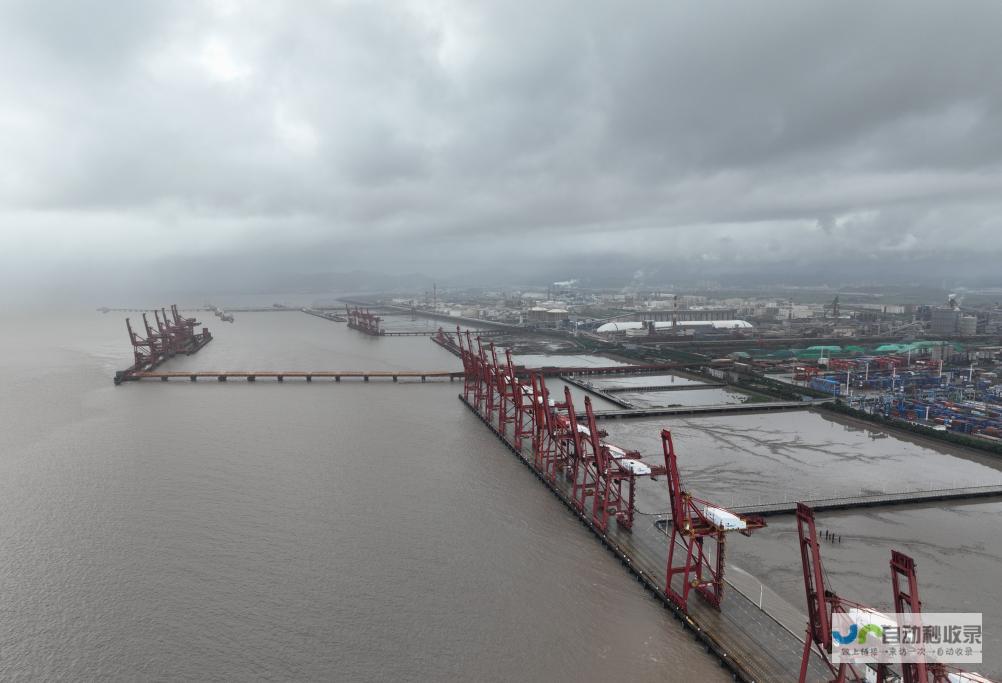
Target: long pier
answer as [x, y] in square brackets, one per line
[365, 375]
[282, 375]
[565, 372]
[752, 644]
[766, 406]
[874, 500]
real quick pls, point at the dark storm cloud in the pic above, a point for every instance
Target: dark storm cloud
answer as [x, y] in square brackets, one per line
[448, 135]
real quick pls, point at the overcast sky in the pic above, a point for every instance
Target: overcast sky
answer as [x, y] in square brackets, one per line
[269, 138]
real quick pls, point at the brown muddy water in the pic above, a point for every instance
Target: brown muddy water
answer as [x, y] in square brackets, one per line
[236, 531]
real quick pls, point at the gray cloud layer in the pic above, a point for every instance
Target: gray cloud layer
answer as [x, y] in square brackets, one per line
[438, 135]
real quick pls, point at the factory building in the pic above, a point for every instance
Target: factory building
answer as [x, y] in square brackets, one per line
[540, 316]
[945, 321]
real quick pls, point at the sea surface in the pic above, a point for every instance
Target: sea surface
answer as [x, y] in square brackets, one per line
[266, 531]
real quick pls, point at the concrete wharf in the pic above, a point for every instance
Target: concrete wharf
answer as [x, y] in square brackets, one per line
[870, 500]
[765, 406]
[664, 387]
[414, 333]
[601, 393]
[326, 315]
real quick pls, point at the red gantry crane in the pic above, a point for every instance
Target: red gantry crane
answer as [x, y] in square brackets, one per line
[471, 373]
[524, 409]
[601, 471]
[364, 320]
[506, 386]
[544, 446]
[145, 350]
[823, 603]
[165, 341]
[694, 521]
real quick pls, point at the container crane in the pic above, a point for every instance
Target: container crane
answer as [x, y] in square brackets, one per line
[694, 521]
